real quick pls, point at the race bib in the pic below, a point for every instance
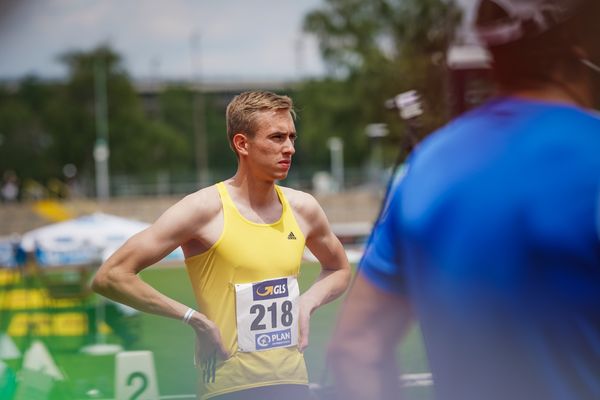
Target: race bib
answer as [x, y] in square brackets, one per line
[267, 314]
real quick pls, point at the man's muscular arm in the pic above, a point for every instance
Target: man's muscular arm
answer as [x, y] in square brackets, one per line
[118, 277]
[362, 354]
[335, 269]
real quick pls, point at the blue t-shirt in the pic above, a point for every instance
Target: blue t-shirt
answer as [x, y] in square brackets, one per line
[493, 234]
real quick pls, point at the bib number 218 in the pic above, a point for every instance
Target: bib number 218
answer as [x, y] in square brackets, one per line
[286, 318]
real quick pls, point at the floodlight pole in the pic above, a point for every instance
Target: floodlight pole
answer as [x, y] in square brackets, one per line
[101, 148]
[336, 148]
[199, 114]
[376, 132]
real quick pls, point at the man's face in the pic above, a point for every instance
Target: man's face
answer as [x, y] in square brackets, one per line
[271, 148]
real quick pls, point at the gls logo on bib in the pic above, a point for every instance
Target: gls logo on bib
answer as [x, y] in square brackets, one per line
[270, 289]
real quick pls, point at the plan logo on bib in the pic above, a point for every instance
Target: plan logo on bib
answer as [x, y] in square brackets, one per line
[273, 289]
[274, 339]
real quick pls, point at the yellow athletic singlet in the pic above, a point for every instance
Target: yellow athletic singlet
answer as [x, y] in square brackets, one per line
[246, 284]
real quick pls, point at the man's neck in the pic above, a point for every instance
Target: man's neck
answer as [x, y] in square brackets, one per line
[557, 91]
[257, 193]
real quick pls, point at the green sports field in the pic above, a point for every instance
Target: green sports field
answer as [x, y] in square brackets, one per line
[172, 344]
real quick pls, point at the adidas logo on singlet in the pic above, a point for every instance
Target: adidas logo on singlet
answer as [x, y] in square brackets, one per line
[291, 236]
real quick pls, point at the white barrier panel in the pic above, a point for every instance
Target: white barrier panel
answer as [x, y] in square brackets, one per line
[135, 376]
[38, 358]
[8, 349]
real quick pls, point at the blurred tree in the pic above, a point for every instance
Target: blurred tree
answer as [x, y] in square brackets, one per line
[375, 50]
[46, 125]
[137, 144]
[25, 141]
[328, 108]
[221, 157]
[176, 104]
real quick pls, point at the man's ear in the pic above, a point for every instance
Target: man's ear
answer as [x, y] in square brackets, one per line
[240, 143]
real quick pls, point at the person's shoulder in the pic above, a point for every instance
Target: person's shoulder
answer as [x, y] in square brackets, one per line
[191, 212]
[569, 126]
[301, 202]
[205, 194]
[205, 201]
[590, 118]
[298, 198]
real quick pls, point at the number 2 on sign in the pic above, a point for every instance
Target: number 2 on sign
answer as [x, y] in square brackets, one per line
[143, 386]
[259, 309]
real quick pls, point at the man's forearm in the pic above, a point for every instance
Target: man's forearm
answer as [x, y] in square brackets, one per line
[330, 285]
[129, 289]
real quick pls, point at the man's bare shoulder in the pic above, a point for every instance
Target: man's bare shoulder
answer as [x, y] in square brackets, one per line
[188, 218]
[201, 205]
[301, 202]
[309, 214]
[206, 199]
[207, 196]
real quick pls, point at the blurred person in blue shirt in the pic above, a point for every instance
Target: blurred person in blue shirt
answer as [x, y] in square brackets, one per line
[491, 238]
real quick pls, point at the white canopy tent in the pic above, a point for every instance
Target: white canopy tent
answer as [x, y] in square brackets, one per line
[88, 239]
[8, 257]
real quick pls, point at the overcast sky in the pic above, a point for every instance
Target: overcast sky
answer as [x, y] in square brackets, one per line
[239, 39]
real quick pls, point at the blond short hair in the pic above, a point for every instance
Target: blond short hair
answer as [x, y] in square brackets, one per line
[243, 109]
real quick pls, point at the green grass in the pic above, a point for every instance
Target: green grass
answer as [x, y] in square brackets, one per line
[172, 344]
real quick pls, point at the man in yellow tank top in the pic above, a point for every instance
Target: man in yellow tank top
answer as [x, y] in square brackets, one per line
[243, 240]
